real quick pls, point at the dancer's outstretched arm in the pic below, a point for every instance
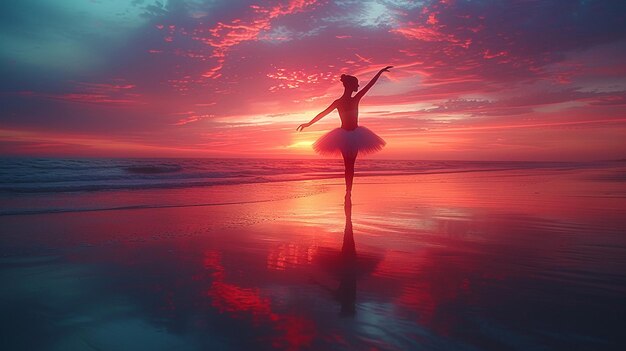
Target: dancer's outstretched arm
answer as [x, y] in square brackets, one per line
[319, 116]
[360, 94]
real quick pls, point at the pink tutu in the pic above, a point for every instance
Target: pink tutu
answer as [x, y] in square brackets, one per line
[340, 141]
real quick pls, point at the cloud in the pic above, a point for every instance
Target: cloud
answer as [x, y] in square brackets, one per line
[223, 36]
[178, 73]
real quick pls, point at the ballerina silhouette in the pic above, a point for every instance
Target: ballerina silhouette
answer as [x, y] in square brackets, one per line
[351, 139]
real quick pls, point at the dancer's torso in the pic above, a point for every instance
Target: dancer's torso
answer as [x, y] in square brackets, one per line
[348, 109]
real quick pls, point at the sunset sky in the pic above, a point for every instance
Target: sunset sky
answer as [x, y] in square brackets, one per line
[472, 80]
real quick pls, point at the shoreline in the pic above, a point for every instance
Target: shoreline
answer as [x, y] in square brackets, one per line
[175, 176]
[66, 198]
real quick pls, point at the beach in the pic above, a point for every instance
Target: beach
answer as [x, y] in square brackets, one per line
[513, 258]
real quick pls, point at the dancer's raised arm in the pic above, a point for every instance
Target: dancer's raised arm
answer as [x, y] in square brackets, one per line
[360, 94]
[319, 116]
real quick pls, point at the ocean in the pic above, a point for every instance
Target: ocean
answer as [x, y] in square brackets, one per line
[51, 175]
[42, 185]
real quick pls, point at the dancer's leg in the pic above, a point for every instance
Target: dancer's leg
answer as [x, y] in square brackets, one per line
[348, 162]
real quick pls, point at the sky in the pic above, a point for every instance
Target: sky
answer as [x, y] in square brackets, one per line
[472, 79]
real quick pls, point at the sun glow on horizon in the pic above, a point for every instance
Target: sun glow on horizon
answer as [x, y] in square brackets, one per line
[303, 145]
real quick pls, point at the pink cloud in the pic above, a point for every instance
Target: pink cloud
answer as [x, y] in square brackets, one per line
[191, 117]
[414, 31]
[113, 94]
[223, 36]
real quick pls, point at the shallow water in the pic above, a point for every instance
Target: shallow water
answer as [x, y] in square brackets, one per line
[57, 175]
[509, 260]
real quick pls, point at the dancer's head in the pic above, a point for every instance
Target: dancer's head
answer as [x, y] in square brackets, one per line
[350, 82]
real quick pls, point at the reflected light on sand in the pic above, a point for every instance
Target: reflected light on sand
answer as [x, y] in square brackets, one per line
[294, 331]
[290, 255]
[440, 261]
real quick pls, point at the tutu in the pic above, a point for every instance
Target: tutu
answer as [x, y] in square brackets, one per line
[340, 141]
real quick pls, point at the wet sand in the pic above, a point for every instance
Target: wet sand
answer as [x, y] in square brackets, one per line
[506, 260]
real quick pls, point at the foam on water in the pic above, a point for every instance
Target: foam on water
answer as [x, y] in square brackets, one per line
[29, 175]
[31, 186]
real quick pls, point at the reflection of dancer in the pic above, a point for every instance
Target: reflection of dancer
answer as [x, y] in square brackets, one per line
[346, 292]
[346, 266]
[350, 139]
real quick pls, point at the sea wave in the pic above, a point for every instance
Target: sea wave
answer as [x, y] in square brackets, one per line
[154, 169]
[80, 175]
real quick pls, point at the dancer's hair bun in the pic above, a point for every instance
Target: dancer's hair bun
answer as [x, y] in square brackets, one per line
[343, 77]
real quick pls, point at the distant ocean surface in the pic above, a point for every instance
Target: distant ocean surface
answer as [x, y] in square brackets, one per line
[36, 185]
[37, 175]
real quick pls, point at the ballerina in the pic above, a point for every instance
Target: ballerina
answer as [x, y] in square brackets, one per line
[351, 139]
